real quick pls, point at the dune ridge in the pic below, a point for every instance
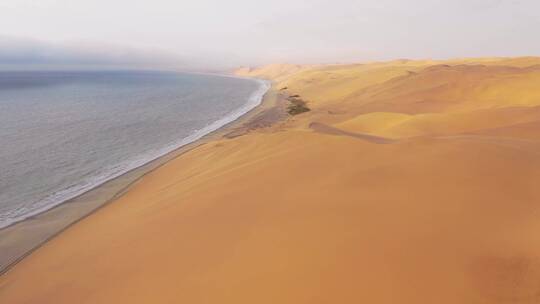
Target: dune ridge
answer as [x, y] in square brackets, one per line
[407, 182]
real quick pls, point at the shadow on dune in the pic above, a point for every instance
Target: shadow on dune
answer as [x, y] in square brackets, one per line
[326, 129]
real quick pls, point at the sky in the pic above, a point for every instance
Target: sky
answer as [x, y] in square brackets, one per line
[220, 34]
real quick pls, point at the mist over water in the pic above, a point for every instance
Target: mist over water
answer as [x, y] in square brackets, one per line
[63, 133]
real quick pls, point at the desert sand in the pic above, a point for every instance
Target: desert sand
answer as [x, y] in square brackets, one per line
[407, 182]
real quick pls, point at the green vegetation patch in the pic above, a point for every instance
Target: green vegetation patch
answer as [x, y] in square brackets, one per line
[297, 106]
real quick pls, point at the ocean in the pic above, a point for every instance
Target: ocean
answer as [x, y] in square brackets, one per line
[63, 133]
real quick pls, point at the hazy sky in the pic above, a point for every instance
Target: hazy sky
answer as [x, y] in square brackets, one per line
[226, 33]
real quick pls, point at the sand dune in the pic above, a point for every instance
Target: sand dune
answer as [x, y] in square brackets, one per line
[316, 210]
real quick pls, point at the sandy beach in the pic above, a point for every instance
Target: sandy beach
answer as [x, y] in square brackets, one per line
[406, 182]
[22, 238]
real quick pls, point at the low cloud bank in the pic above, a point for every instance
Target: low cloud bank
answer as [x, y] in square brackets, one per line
[18, 53]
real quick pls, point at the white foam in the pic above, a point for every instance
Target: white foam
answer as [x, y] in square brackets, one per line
[57, 198]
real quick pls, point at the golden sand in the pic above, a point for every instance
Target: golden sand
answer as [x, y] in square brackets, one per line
[408, 182]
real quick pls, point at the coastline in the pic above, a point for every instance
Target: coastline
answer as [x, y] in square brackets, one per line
[370, 196]
[21, 238]
[62, 195]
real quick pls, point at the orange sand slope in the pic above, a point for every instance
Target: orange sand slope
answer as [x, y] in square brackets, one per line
[408, 182]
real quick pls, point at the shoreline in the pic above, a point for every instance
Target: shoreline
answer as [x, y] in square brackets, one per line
[62, 196]
[323, 201]
[20, 239]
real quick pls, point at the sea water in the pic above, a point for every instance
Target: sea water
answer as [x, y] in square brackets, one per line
[63, 133]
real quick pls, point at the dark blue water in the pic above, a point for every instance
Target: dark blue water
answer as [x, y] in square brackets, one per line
[63, 133]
